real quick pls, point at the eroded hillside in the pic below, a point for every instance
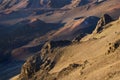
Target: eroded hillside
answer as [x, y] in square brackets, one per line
[95, 57]
[75, 33]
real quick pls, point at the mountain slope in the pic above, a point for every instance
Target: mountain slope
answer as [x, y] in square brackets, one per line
[97, 53]
[26, 25]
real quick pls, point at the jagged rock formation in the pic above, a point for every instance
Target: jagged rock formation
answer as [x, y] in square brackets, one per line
[42, 61]
[105, 19]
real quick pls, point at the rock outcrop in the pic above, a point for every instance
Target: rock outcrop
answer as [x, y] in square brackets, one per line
[43, 61]
[105, 19]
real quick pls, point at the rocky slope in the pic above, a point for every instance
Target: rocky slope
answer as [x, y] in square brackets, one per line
[97, 53]
[25, 25]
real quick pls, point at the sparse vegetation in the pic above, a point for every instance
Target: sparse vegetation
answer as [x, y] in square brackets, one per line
[113, 47]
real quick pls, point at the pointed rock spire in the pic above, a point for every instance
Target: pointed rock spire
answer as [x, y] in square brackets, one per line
[105, 19]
